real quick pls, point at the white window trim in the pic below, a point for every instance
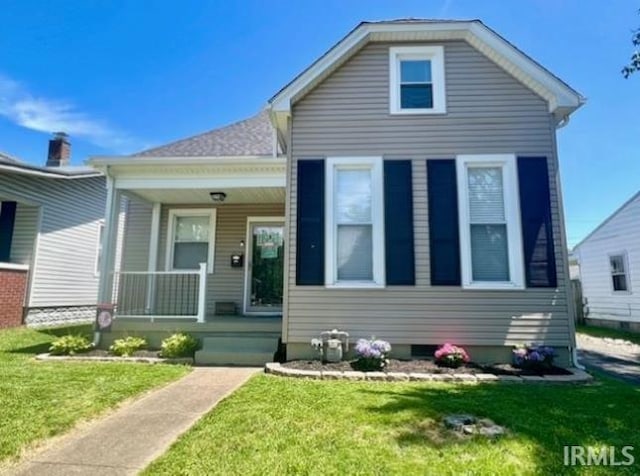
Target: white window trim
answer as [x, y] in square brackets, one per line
[99, 248]
[377, 217]
[183, 212]
[625, 262]
[435, 54]
[512, 214]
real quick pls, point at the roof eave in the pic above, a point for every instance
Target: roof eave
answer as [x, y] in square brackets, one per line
[48, 173]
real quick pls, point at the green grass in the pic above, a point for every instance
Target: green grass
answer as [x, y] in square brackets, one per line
[606, 332]
[42, 399]
[288, 426]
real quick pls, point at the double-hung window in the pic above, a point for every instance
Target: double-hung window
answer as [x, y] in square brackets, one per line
[416, 80]
[354, 222]
[490, 233]
[190, 239]
[619, 275]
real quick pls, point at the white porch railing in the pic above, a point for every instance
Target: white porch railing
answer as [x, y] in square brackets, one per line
[160, 294]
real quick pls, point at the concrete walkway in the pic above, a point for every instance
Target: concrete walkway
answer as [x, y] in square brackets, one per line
[127, 440]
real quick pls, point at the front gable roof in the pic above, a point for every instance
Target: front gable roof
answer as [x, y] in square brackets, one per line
[561, 98]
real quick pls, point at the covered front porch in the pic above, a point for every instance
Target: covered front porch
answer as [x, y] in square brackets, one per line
[202, 244]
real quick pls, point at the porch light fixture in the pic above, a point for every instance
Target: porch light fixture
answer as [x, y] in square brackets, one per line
[218, 197]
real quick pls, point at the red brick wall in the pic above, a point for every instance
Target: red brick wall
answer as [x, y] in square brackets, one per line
[13, 284]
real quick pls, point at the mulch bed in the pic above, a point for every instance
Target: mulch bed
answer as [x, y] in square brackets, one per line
[426, 366]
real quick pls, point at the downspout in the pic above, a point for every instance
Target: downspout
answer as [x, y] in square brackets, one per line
[574, 357]
[573, 352]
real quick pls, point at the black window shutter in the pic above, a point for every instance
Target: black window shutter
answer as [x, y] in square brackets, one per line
[7, 219]
[444, 236]
[310, 223]
[537, 229]
[398, 223]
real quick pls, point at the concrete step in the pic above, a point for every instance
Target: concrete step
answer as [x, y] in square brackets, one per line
[237, 350]
[257, 343]
[251, 359]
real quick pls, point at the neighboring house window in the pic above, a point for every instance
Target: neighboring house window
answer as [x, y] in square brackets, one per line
[354, 222]
[99, 249]
[191, 239]
[619, 273]
[490, 233]
[416, 80]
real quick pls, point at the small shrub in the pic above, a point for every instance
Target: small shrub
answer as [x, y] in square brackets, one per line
[70, 345]
[126, 346]
[533, 356]
[372, 354]
[450, 355]
[179, 345]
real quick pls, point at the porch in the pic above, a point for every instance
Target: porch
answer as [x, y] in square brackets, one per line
[202, 252]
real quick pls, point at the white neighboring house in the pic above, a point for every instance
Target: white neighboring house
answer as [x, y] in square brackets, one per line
[51, 227]
[609, 259]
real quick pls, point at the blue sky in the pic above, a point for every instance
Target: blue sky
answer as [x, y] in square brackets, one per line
[120, 76]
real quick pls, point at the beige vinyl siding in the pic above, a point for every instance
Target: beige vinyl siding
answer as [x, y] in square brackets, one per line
[63, 270]
[488, 111]
[25, 232]
[226, 283]
[137, 232]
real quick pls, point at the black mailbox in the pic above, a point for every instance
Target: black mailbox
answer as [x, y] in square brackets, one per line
[237, 261]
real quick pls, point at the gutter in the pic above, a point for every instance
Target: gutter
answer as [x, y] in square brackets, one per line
[42, 173]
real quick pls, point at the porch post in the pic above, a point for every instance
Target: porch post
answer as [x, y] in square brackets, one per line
[202, 292]
[152, 262]
[107, 265]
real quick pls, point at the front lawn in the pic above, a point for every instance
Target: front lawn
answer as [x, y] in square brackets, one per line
[42, 399]
[276, 425]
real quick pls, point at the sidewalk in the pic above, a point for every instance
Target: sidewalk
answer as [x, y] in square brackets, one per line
[126, 441]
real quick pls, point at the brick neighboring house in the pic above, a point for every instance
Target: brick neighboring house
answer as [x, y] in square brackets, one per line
[51, 221]
[13, 284]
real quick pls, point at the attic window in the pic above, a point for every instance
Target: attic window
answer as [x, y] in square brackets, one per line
[416, 80]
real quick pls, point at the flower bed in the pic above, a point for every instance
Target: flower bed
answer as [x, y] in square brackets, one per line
[422, 371]
[428, 366]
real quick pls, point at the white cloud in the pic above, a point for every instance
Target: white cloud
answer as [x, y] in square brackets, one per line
[21, 107]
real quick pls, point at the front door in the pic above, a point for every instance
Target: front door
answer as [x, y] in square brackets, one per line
[265, 266]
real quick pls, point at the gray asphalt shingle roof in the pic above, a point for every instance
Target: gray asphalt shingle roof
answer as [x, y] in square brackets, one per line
[249, 137]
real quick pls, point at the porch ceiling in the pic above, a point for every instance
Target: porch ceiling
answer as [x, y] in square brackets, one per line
[196, 196]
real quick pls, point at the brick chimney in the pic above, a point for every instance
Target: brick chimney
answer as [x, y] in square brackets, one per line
[59, 150]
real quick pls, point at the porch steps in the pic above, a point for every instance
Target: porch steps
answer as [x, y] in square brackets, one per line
[237, 350]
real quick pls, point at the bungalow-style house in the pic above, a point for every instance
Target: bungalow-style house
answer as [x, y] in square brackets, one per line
[51, 223]
[405, 185]
[609, 263]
